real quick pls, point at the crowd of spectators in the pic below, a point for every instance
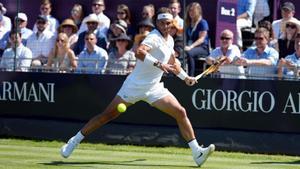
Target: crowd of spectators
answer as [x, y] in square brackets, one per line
[97, 44]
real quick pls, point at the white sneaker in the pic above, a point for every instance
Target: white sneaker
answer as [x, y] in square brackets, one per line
[201, 156]
[67, 149]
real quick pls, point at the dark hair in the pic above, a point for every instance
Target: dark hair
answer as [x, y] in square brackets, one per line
[264, 31]
[15, 31]
[161, 10]
[268, 25]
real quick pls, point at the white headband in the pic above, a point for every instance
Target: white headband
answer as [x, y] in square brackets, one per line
[164, 16]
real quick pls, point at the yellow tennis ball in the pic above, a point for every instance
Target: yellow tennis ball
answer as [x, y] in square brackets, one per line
[121, 108]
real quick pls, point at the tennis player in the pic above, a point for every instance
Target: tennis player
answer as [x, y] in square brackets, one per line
[155, 56]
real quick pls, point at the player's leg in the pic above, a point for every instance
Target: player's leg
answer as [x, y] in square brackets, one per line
[97, 121]
[172, 107]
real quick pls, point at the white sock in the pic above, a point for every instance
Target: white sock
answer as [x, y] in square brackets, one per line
[79, 137]
[194, 146]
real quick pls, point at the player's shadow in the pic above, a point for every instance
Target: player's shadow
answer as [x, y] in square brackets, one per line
[122, 163]
[297, 162]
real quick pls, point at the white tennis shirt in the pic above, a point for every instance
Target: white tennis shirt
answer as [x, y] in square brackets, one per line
[145, 75]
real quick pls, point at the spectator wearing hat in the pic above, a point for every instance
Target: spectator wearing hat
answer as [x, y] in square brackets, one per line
[17, 56]
[20, 23]
[45, 9]
[144, 28]
[286, 41]
[69, 27]
[92, 59]
[287, 13]
[116, 29]
[104, 22]
[4, 20]
[92, 23]
[41, 42]
[123, 60]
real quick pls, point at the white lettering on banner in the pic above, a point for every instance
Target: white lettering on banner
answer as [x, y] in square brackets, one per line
[26, 92]
[227, 12]
[230, 100]
[290, 103]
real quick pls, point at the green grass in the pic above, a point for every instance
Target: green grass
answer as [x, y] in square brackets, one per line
[25, 154]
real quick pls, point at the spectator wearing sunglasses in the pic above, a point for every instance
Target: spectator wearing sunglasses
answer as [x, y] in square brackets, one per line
[231, 52]
[104, 22]
[285, 45]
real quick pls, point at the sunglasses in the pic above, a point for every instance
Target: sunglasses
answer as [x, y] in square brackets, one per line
[89, 38]
[98, 4]
[19, 20]
[259, 38]
[290, 26]
[41, 22]
[121, 13]
[225, 38]
[60, 40]
[121, 40]
[92, 23]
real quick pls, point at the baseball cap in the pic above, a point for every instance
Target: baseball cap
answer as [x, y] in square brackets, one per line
[42, 18]
[288, 5]
[21, 16]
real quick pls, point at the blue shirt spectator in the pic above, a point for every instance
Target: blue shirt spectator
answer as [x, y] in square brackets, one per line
[247, 6]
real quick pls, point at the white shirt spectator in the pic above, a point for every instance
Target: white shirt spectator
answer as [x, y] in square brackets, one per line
[229, 71]
[41, 45]
[23, 58]
[5, 22]
[104, 24]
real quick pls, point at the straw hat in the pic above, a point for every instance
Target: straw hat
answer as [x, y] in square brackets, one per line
[68, 22]
[293, 21]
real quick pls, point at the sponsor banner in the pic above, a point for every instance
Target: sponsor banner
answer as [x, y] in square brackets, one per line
[260, 105]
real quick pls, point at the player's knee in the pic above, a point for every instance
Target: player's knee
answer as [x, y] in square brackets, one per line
[181, 113]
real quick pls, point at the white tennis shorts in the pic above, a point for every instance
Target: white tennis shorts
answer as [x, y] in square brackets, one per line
[132, 94]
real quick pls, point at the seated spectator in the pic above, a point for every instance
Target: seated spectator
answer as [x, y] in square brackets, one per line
[92, 23]
[17, 51]
[260, 60]
[69, 27]
[123, 13]
[245, 10]
[287, 13]
[123, 60]
[197, 40]
[4, 20]
[286, 41]
[62, 57]
[148, 12]
[144, 28]
[20, 23]
[45, 9]
[268, 25]
[175, 8]
[289, 66]
[103, 21]
[92, 59]
[177, 33]
[116, 29]
[41, 42]
[77, 14]
[231, 52]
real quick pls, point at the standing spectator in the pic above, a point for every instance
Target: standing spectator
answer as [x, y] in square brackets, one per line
[260, 60]
[17, 55]
[62, 57]
[20, 23]
[231, 52]
[245, 10]
[77, 14]
[196, 35]
[121, 61]
[289, 66]
[104, 22]
[4, 20]
[69, 27]
[92, 23]
[287, 13]
[123, 13]
[261, 11]
[175, 8]
[286, 42]
[92, 59]
[46, 8]
[148, 11]
[41, 42]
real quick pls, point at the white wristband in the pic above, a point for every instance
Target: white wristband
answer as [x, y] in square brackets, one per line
[149, 59]
[182, 74]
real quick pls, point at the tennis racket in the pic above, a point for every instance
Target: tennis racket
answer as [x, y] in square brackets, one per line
[213, 68]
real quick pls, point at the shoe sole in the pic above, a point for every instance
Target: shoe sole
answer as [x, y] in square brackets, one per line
[212, 148]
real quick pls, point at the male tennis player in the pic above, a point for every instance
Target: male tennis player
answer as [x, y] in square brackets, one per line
[155, 56]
